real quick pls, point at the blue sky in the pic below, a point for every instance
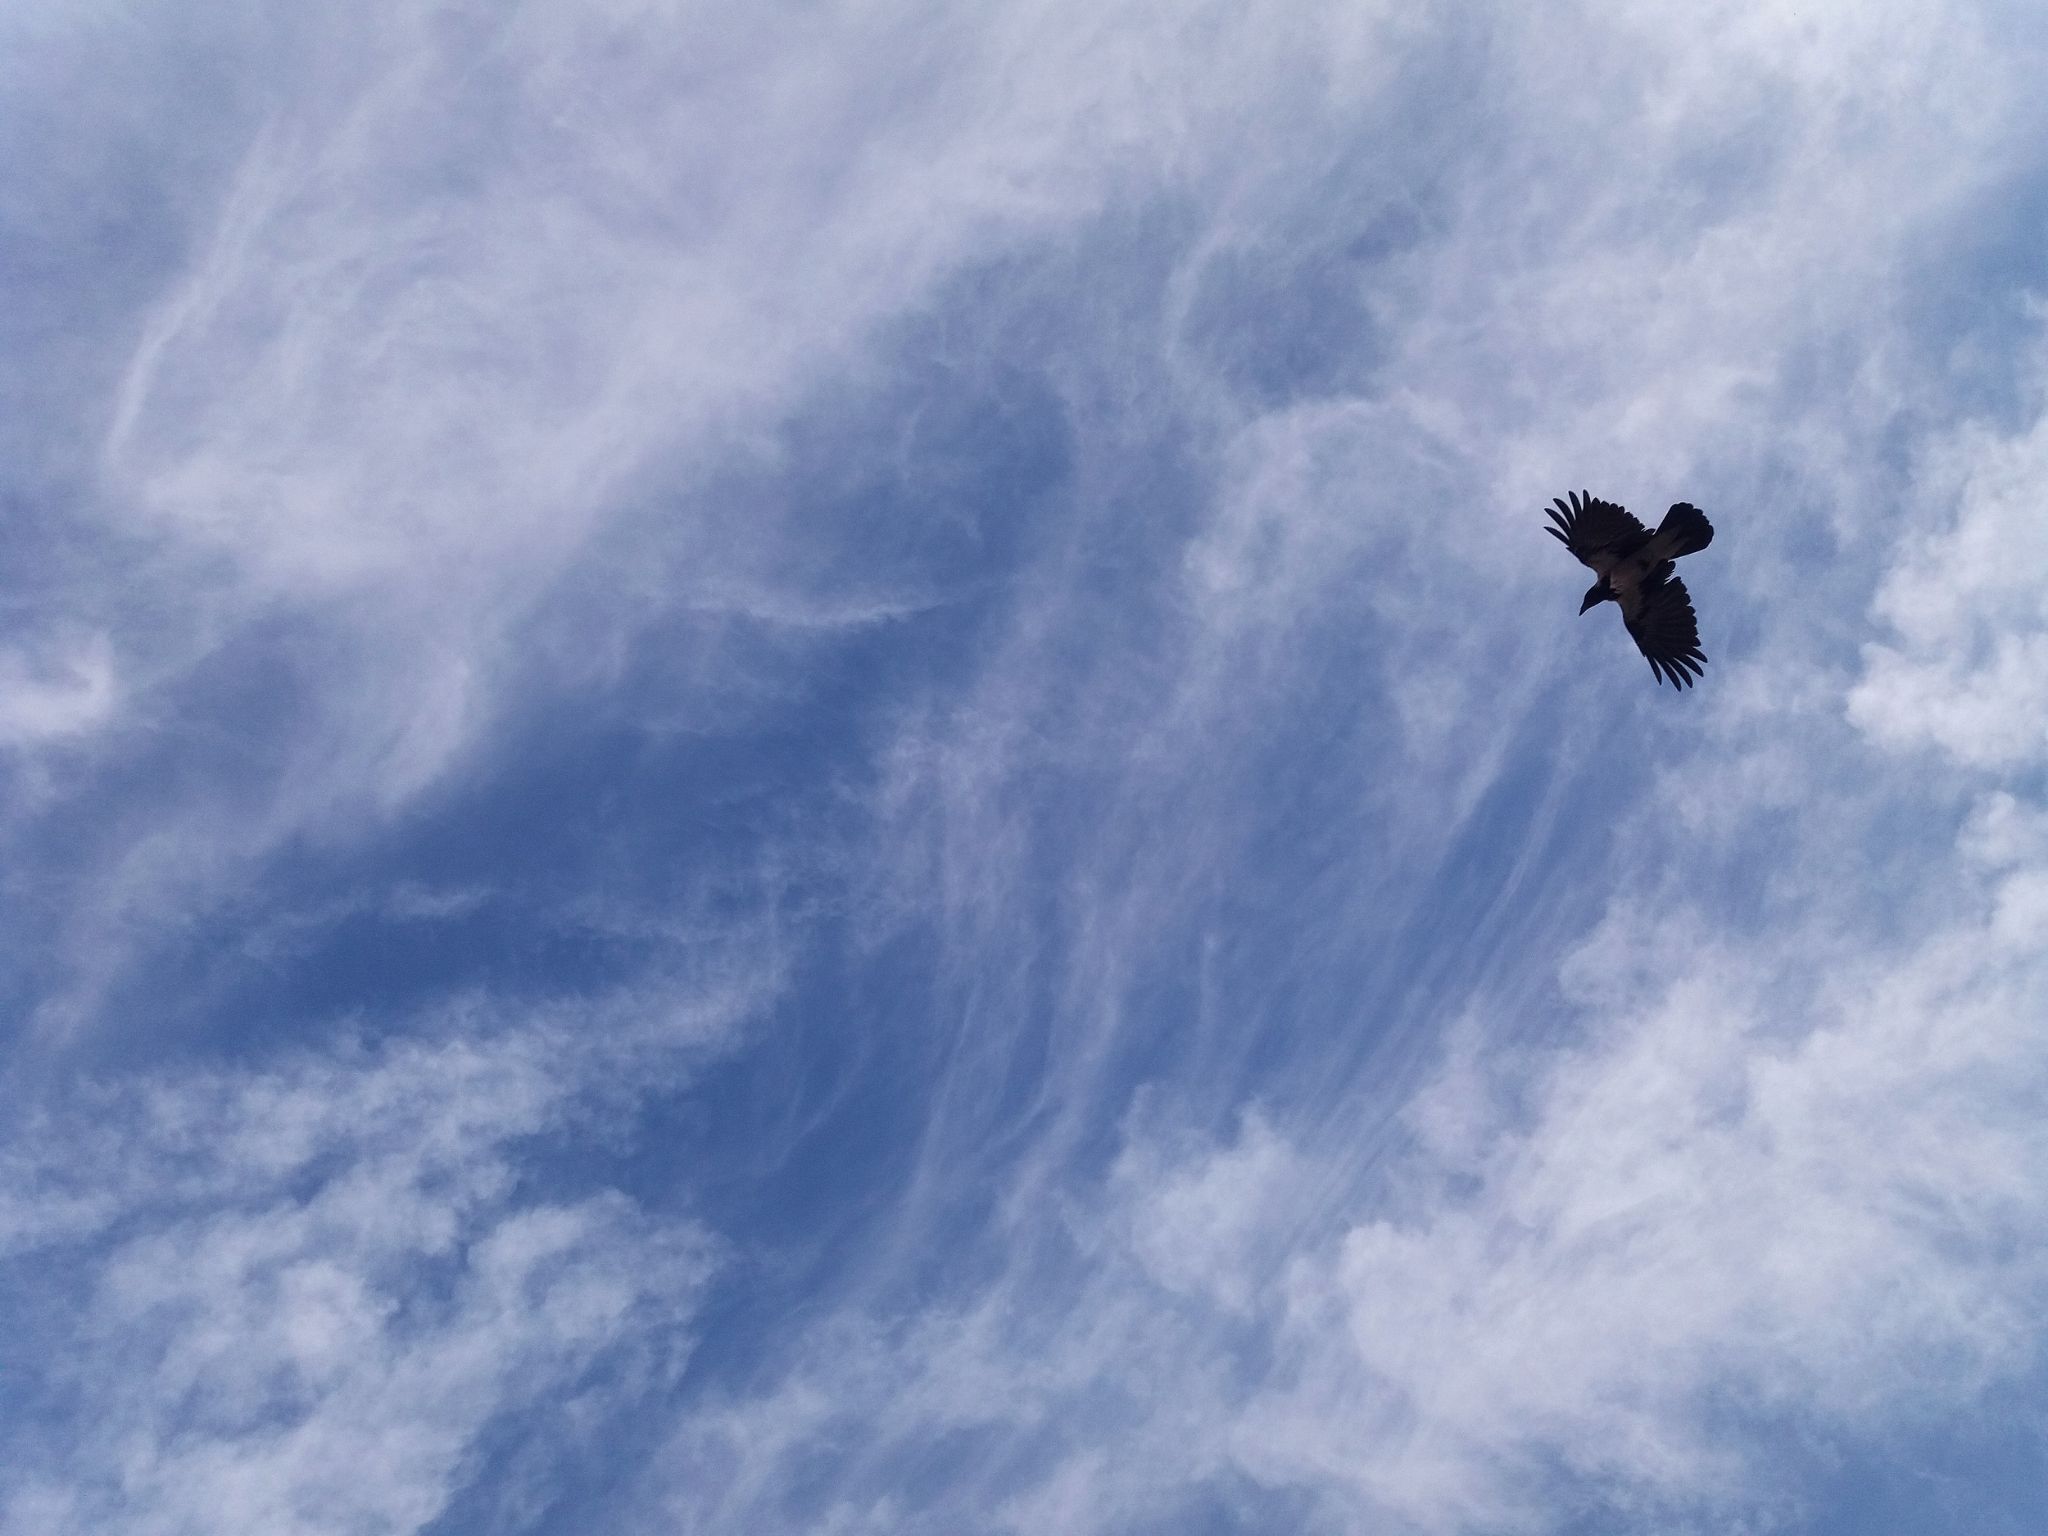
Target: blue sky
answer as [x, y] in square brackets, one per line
[816, 769]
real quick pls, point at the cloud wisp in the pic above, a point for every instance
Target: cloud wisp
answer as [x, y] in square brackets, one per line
[318, 1292]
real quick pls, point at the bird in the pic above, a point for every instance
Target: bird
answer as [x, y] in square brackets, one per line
[1635, 571]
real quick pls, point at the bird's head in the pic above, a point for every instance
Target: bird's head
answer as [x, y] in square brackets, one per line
[1596, 594]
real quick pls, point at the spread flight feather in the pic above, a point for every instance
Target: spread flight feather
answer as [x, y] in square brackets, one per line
[1634, 567]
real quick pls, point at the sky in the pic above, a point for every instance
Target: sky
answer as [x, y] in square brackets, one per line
[815, 768]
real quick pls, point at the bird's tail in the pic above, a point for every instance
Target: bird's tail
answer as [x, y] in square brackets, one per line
[1684, 531]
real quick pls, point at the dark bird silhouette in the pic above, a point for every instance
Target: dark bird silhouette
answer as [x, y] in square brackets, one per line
[1634, 567]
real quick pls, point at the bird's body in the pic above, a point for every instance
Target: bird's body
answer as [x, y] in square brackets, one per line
[1634, 567]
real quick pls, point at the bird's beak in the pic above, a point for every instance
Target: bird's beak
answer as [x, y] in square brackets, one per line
[1592, 601]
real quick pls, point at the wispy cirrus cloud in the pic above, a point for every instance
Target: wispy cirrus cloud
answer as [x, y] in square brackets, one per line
[1022, 528]
[1587, 1257]
[326, 1290]
[1966, 662]
[49, 697]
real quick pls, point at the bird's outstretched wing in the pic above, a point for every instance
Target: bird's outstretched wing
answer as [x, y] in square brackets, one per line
[1660, 619]
[1598, 532]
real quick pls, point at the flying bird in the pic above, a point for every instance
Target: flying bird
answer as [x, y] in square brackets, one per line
[1634, 567]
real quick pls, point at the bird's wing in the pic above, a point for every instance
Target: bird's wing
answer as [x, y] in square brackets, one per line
[1660, 619]
[1598, 532]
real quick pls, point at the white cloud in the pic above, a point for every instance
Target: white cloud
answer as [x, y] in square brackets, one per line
[1210, 1222]
[1731, 1198]
[1785, 1180]
[49, 697]
[300, 1296]
[2003, 831]
[1967, 674]
[1779, 1172]
[483, 307]
[480, 315]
